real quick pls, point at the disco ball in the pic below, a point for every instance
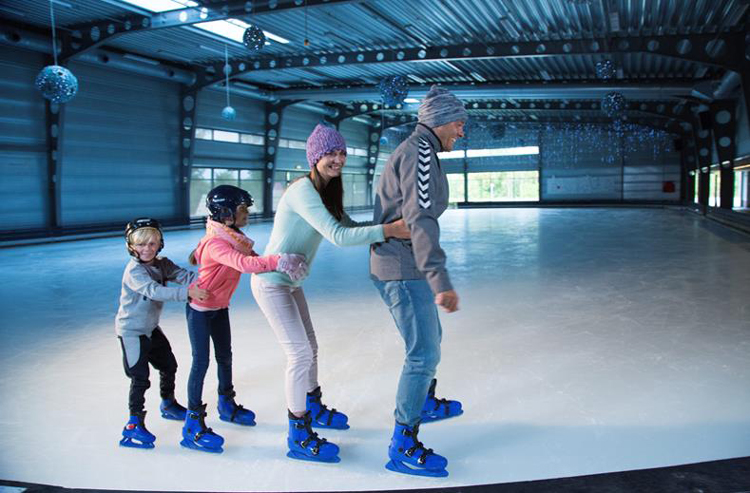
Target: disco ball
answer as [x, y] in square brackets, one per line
[383, 140]
[228, 113]
[254, 39]
[605, 69]
[613, 104]
[57, 84]
[393, 90]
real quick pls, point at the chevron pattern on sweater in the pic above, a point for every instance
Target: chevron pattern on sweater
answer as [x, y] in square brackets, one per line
[423, 174]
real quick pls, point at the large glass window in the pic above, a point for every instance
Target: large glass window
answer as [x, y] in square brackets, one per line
[741, 190]
[714, 188]
[203, 179]
[281, 180]
[355, 190]
[456, 186]
[200, 184]
[504, 186]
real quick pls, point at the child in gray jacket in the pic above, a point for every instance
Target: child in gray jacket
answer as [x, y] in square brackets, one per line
[144, 291]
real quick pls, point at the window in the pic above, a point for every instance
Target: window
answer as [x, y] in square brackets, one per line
[203, 179]
[504, 186]
[224, 136]
[281, 180]
[714, 188]
[355, 189]
[456, 186]
[741, 189]
[252, 139]
[204, 133]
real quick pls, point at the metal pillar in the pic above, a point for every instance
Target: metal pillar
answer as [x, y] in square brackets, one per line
[724, 125]
[373, 150]
[188, 105]
[273, 112]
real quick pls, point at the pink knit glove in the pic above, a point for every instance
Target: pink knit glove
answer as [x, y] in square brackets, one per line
[293, 265]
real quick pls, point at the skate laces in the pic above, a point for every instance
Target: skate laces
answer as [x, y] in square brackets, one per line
[323, 409]
[311, 435]
[417, 445]
[201, 415]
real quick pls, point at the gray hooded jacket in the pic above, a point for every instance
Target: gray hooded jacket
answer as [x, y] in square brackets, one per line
[414, 187]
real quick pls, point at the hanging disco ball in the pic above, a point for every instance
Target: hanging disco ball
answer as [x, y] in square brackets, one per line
[383, 140]
[57, 83]
[497, 131]
[605, 69]
[228, 113]
[254, 39]
[393, 90]
[613, 104]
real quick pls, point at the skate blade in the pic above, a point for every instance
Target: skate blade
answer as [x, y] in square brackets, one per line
[129, 442]
[329, 427]
[431, 418]
[229, 420]
[299, 456]
[192, 445]
[173, 417]
[398, 466]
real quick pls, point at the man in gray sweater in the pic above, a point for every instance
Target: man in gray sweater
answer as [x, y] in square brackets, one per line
[411, 275]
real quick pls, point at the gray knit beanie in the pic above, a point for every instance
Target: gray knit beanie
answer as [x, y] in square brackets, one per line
[440, 107]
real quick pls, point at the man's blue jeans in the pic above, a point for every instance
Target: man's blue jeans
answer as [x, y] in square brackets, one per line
[412, 305]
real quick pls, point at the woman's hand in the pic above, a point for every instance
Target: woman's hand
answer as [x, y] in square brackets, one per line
[397, 229]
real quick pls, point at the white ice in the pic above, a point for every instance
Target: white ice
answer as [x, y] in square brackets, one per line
[588, 341]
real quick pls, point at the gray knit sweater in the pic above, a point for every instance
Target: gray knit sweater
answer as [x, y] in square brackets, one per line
[144, 291]
[414, 187]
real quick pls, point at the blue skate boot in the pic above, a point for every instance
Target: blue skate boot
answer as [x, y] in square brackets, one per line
[135, 433]
[196, 436]
[232, 412]
[304, 444]
[322, 417]
[171, 409]
[409, 456]
[435, 409]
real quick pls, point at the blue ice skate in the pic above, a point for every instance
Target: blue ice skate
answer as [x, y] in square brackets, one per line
[196, 436]
[232, 412]
[171, 409]
[304, 444]
[435, 409]
[409, 456]
[322, 417]
[135, 434]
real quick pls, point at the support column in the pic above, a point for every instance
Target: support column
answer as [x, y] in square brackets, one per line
[188, 105]
[272, 131]
[373, 150]
[724, 127]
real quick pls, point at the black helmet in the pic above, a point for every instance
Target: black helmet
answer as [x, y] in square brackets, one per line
[135, 225]
[223, 201]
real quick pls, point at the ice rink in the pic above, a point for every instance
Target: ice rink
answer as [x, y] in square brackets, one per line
[587, 341]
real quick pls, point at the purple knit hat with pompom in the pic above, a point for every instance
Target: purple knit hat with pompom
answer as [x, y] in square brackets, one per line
[321, 141]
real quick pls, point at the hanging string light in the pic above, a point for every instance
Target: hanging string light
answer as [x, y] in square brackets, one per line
[56, 83]
[307, 40]
[393, 90]
[228, 113]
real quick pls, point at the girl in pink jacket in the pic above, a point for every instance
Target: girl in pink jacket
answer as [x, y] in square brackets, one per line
[224, 253]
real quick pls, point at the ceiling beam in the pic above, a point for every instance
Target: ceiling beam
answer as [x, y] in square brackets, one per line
[710, 49]
[542, 91]
[86, 36]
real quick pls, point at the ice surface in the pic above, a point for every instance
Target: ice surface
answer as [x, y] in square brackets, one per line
[588, 340]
